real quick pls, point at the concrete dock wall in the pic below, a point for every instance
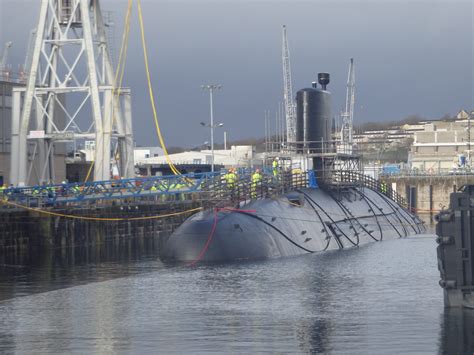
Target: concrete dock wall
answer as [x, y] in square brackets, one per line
[426, 195]
[22, 230]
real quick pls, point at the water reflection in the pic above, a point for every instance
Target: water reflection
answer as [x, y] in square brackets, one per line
[457, 331]
[380, 298]
[41, 270]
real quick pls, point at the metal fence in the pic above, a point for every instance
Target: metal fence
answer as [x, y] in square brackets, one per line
[212, 189]
[354, 177]
[58, 194]
[221, 193]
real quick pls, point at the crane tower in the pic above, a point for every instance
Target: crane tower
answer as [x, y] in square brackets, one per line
[3, 60]
[348, 114]
[70, 74]
[290, 108]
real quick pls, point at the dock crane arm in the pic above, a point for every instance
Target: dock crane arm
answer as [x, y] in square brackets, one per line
[6, 49]
[348, 114]
[290, 107]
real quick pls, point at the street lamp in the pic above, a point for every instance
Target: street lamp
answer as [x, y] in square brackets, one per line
[469, 140]
[211, 88]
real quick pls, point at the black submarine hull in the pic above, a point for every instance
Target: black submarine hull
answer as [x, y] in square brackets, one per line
[304, 221]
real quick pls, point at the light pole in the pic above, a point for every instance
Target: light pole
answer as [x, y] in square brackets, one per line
[211, 88]
[469, 140]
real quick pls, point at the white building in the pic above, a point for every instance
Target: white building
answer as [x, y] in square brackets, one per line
[441, 144]
[236, 156]
[142, 153]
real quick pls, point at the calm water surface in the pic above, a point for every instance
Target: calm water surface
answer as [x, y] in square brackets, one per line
[380, 298]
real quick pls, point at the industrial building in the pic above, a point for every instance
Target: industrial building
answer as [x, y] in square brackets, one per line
[200, 161]
[141, 153]
[7, 84]
[79, 164]
[443, 146]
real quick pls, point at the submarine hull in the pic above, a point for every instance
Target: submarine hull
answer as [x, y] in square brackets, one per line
[300, 222]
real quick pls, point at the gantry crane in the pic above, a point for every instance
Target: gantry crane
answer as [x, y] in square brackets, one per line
[3, 61]
[348, 114]
[70, 58]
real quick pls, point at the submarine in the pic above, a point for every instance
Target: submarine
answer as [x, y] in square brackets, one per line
[330, 205]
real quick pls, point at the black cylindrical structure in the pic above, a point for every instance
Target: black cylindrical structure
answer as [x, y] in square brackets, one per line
[323, 79]
[313, 118]
[313, 125]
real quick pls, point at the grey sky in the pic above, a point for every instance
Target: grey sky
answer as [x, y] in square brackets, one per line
[411, 57]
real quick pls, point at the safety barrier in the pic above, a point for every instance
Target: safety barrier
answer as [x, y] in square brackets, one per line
[211, 189]
[221, 193]
[50, 195]
[354, 177]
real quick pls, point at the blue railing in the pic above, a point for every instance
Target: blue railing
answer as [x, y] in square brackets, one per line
[110, 189]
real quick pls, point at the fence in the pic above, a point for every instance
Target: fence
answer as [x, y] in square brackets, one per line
[212, 189]
[354, 177]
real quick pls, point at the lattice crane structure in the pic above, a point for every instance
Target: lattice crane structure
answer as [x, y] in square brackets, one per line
[290, 107]
[348, 114]
[70, 76]
[4, 59]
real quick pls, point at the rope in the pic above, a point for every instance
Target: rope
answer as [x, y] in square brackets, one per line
[208, 242]
[281, 233]
[246, 213]
[98, 218]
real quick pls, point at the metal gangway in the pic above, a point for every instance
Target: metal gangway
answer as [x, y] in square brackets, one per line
[211, 189]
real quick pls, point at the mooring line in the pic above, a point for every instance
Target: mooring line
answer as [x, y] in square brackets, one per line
[88, 218]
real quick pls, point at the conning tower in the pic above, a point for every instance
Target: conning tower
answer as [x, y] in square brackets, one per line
[314, 121]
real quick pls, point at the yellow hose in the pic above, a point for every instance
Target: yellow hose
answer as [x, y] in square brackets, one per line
[119, 71]
[150, 91]
[97, 218]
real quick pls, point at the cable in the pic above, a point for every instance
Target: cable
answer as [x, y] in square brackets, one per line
[310, 200]
[150, 92]
[208, 241]
[279, 231]
[394, 209]
[373, 211]
[118, 73]
[353, 218]
[98, 218]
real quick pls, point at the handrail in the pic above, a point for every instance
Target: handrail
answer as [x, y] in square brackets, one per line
[110, 189]
[209, 188]
[349, 176]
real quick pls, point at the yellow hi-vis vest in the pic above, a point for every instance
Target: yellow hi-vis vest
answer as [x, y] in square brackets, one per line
[256, 177]
[230, 179]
